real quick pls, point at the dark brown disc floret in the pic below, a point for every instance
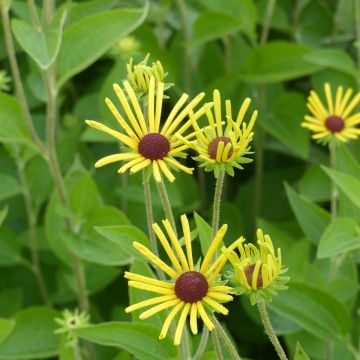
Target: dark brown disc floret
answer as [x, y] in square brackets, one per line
[154, 146]
[249, 273]
[334, 123]
[213, 147]
[191, 287]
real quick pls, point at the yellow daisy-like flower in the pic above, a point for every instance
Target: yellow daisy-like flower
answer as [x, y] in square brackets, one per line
[190, 291]
[333, 120]
[219, 148]
[147, 146]
[257, 271]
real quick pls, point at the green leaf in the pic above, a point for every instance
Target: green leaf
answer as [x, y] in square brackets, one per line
[3, 214]
[84, 196]
[33, 335]
[212, 25]
[348, 184]
[284, 123]
[333, 58]
[79, 49]
[314, 310]
[342, 235]
[205, 233]
[312, 218]
[42, 47]
[12, 121]
[6, 327]
[315, 184]
[277, 61]
[9, 248]
[300, 353]
[9, 186]
[142, 340]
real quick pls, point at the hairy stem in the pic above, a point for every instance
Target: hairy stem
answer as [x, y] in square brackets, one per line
[270, 331]
[217, 347]
[226, 340]
[15, 72]
[166, 204]
[267, 19]
[202, 345]
[334, 191]
[357, 19]
[217, 202]
[31, 219]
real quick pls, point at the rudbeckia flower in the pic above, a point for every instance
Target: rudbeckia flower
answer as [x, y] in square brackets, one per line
[191, 290]
[257, 271]
[336, 119]
[146, 145]
[223, 147]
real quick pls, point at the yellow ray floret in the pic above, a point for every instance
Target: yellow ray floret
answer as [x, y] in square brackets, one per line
[334, 119]
[148, 146]
[188, 288]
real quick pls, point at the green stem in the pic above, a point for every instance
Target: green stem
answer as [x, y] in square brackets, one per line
[77, 352]
[15, 72]
[217, 202]
[34, 14]
[202, 345]
[334, 191]
[267, 20]
[166, 204]
[228, 54]
[31, 219]
[270, 331]
[357, 19]
[226, 340]
[217, 346]
[354, 352]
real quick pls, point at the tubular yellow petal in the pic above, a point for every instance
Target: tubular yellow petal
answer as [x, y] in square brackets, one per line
[351, 106]
[349, 134]
[345, 101]
[176, 244]
[228, 112]
[131, 163]
[220, 288]
[251, 123]
[255, 275]
[116, 134]
[120, 119]
[181, 324]
[316, 100]
[244, 106]
[312, 120]
[123, 101]
[181, 167]
[329, 98]
[159, 101]
[219, 296]
[210, 118]
[217, 271]
[116, 157]
[315, 110]
[217, 110]
[153, 301]
[165, 244]
[219, 151]
[151, 105]
[212, 248]
[353, 120]
[148, 313]
[152, 288]
[136, 106]
[338, 97]
[243, 279]
[148, 280]
[187, 238]
[140, 166]
[320, 135]
[156, 171]
[180, 117]
[176, 150]
[265, 275]
[341, 137]
[215, 305]
[199, 133]
[204, 316]
[193, 319]
[173, 112]
[155, 260]
[226, 151]
[166, 170]
[169, 319]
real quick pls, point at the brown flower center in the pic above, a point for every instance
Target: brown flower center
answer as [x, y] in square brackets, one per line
[213, 147]
[191, 287]
[154, 146]
[334, 123]
[249, 273]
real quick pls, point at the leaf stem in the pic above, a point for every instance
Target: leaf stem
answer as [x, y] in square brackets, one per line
[15, 72]
[334, 191]
[166, 204]
[34, 14]
[202, 345]
[217, 346]
[227, 342]
[267, 19]
[270, 331]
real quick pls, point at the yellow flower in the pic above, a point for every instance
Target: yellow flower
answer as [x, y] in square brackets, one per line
[147, 146]
[126, 47]
[192, 290]
[333, 121]
[219, 148]
[139, 75]
[257, 271]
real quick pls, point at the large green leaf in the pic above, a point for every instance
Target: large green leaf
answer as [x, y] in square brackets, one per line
[12, 121]
[300, 353]
[81, 45]
[314, 310]
[205, 233]
[9, 186]
[6, 327]
[342, 235]
[277, 61]
[33, 335]
[142, 340]
[348, 184]
[284, 123]
[42, 47]
[312, 218]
